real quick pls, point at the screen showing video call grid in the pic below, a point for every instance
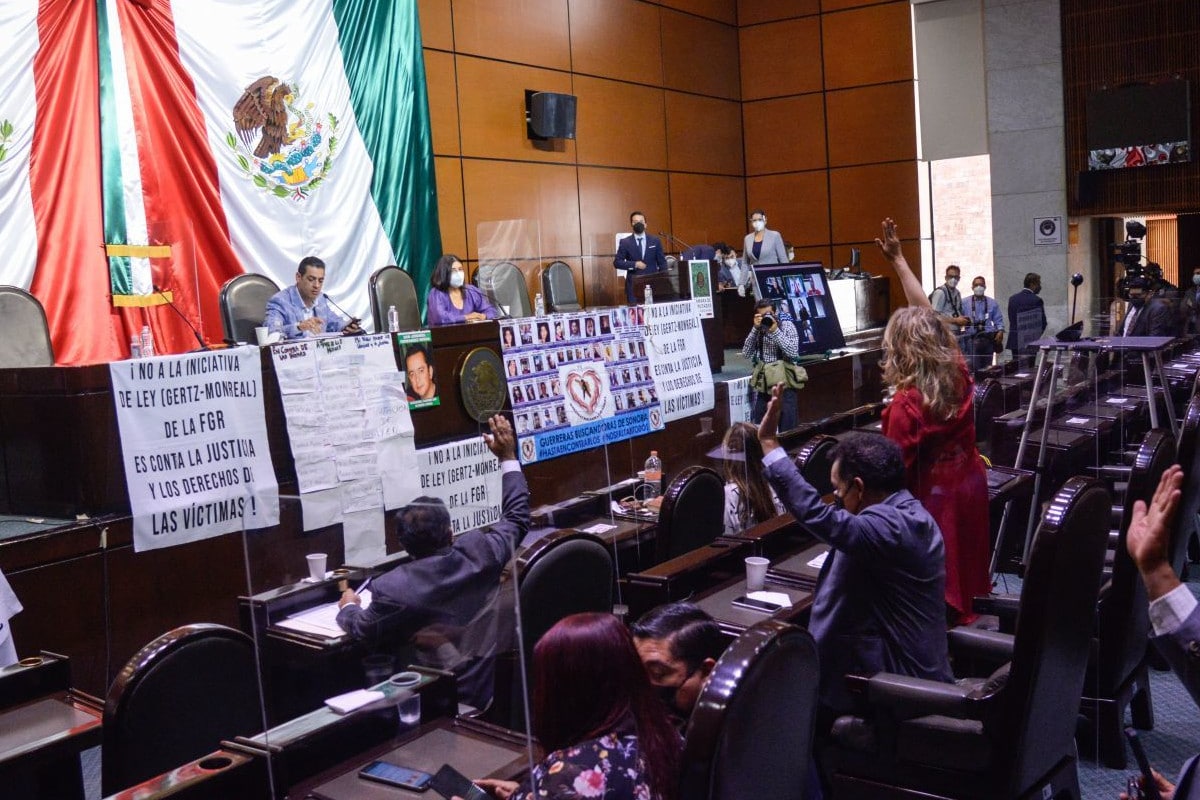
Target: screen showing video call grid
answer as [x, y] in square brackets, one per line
[802, 292]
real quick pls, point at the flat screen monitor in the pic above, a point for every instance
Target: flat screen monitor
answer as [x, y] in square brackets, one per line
[802, 291]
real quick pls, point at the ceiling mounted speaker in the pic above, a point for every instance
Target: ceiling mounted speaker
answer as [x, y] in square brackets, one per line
[549, 115]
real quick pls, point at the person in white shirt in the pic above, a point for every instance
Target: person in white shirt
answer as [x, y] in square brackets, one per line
[749, 499]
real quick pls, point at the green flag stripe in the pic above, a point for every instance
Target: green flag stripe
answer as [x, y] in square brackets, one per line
[119, 267]
[381, 49]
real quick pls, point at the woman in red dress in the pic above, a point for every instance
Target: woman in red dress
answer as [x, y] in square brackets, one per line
[931, 416]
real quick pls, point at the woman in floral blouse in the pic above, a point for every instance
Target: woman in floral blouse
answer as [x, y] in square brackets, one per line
[607, 733]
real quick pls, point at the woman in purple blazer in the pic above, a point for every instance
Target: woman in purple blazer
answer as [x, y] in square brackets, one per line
[450, 299]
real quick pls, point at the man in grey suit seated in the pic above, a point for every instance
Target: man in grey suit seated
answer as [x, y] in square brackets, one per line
[1174, 612]
[880, 599]
[442, 604]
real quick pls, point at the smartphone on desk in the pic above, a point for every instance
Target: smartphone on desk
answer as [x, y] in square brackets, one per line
[396, 775]
[449, 782]
[756, 605]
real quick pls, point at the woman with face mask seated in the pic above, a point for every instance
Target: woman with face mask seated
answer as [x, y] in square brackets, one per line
[450, 299]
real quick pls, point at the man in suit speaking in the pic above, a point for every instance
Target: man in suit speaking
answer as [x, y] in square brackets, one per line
[640, 253]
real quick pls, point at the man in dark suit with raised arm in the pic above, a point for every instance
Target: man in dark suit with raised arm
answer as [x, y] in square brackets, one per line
[442, 603]
[1174, 613]
[639, 254]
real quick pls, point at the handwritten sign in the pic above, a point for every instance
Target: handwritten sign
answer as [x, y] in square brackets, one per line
[678, 359]
[194, 444]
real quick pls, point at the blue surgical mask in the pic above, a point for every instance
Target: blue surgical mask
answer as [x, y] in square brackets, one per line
[457, 279]
[1196, 280]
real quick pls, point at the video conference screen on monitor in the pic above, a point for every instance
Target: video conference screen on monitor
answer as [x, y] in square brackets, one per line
[802, 291]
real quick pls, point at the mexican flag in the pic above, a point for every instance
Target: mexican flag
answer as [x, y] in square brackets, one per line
[152, 148]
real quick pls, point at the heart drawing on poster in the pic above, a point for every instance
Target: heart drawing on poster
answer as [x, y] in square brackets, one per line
[585, 392]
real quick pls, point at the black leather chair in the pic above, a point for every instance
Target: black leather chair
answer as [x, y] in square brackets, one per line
[243, 301]
[26, 334]
[691, 514]
[1118, 674]
[505, 286]
[751, 733]
[175, 700]
[814, 459]
[1012, 735]
[989, 404]
[1188, 456]
[558, 288]
[567, 572]
[392, 286]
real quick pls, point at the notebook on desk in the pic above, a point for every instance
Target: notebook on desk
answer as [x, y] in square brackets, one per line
[321, 620]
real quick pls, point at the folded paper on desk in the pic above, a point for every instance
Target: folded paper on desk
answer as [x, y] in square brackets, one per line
[352, 701]
[778, 598]
[599, 527]
[819, 561]
[321, 620]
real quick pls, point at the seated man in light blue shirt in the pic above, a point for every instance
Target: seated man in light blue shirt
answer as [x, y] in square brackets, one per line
[732, 274]
[303, 309]
[983, 335]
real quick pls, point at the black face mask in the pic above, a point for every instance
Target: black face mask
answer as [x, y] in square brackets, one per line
[839, 503]
[1037, 289]
[639, 227]
[1137, 302]
[667, 693]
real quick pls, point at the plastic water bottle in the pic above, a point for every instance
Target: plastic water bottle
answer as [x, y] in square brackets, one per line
[653, 475]
[135, 346]
[539, 305]
[393, 320]
[649, 295]
[147, 342]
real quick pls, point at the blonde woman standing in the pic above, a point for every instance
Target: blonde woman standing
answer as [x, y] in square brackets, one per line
[931, 416]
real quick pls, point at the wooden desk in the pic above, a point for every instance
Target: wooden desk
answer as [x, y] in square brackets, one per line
[734, 621]
[475, 749]
[40, 743]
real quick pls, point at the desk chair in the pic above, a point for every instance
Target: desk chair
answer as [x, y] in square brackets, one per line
[691, 514]
[752, 731]
[504, 285]
[814, 459]
[392, 286]
[558, 287]
[1187, 451]
[1009, 736]
[175, 700]
[989, 404]
[26, 334]
[243, 302]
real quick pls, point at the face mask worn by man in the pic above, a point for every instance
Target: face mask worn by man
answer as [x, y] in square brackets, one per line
[952, 282]
[732, 262]
[1196, 280]
[980, 291]
[639, 227]
[456, 280]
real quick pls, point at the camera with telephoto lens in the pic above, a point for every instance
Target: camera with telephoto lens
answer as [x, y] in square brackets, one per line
[768, 322]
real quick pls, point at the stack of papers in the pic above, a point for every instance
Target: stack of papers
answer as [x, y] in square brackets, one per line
[321, 620]
[352, 701]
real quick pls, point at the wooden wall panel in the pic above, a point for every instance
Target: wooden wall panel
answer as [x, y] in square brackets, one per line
[704, 134]
[769, 149]
[839, 5]
[754, 12]
[608, 196]
[443, 101]
[862, 196]
[617, 39]
[526, 31]
[452, 217]
[492, 105]
[822, 254]
[708, 208]
[1106, 42]
[872, 124]
[437, 28]
[720, 10]
[797, 205]
[543, 193]
[700, 55]
[781, 59]
[882, 31]
[620, 124]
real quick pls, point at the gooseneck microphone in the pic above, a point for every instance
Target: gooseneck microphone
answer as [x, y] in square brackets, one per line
[166, 297]
[353, 319]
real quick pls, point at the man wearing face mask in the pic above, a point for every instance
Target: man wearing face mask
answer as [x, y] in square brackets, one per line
[1145, 316]
[880, 598]
[732, 273]
[947, 301]
[1026, 317]
[1190, 305]
[679, 644]
[984, 335]
[639, 254]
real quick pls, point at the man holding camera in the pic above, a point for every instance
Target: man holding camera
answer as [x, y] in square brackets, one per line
[772, 337]
[983, 335]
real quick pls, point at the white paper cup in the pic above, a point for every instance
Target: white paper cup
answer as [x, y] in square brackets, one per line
[263, 335]
[316, 566]
[756, 573]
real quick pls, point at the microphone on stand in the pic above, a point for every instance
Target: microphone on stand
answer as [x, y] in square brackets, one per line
[675, 240]
[353, 320]
[1076, 281]
[1074, 331]
[182, 316]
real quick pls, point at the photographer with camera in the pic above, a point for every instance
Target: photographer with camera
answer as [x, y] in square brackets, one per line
[772, 337]
[983, 335]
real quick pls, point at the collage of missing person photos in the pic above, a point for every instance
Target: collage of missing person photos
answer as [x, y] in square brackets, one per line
[600, 355]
